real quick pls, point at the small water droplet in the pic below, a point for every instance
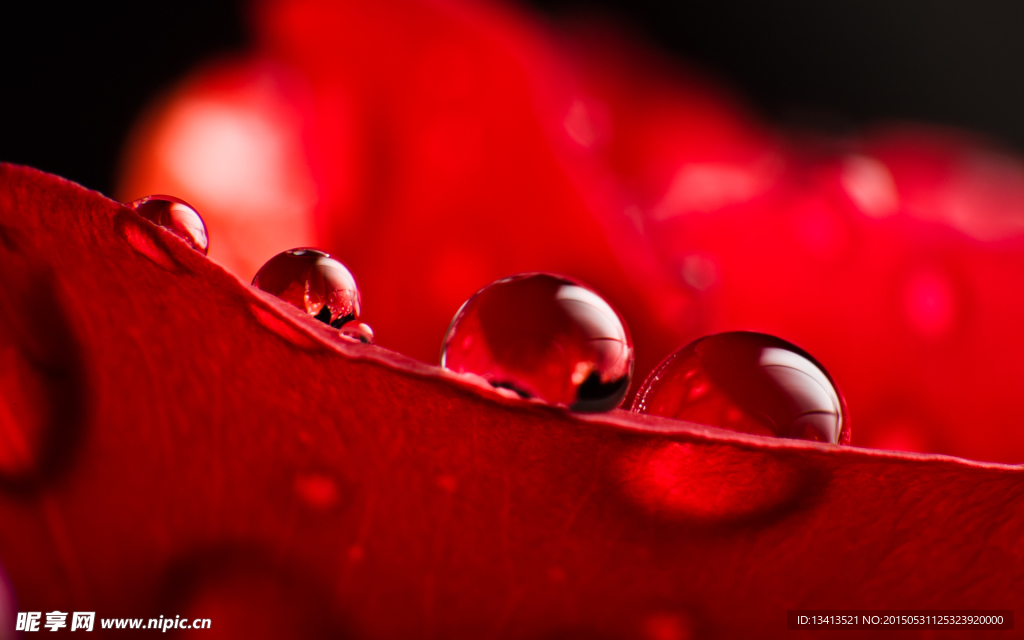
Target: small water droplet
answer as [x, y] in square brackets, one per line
[543, 336]
[358, 331]
[177, 216]
[314, 282]
[749, 382]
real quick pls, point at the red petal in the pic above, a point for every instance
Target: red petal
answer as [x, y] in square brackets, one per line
[216, 454]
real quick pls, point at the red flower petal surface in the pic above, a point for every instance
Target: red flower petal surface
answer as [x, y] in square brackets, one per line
[196, 448]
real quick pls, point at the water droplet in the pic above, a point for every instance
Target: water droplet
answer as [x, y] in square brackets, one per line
[543, 336]
[358, 331]
[177, 216]
[749, 382]
[314, 282]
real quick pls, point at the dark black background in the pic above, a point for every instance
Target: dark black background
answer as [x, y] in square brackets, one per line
[72, 78]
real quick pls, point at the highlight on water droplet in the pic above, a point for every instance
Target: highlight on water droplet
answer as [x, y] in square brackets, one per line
[543, 336]
[177, 216]
[314, 282]
[749, 382]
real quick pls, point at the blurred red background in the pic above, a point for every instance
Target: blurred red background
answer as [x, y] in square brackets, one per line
[436, 147]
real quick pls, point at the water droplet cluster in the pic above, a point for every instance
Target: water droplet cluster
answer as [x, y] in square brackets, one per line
[548, 337]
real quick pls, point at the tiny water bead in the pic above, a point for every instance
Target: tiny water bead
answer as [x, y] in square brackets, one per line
[543, 336]
[314, 282]
[358, 331]
[177, 216]
[749, 382]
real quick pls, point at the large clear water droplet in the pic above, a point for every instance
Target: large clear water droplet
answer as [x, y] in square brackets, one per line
[543, 336]
[749, 382]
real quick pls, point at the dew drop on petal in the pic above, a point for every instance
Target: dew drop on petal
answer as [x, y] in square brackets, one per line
[177, 216]
[359, 331]
[314, 282]
[543, 336]
[748, 382]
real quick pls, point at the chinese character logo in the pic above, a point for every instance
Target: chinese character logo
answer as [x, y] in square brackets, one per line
[28, 621]
[82, 620]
